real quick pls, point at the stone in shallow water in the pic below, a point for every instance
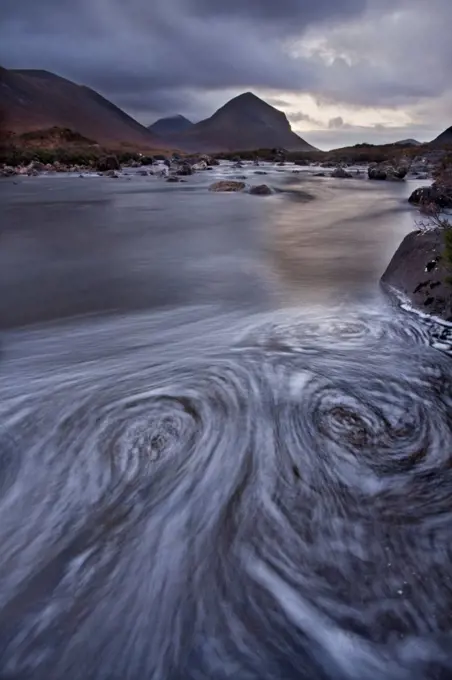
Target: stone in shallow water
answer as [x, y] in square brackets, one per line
[228, 186]
[260, 190]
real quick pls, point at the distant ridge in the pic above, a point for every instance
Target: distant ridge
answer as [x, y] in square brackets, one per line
[35, 99]
[170, 125]
[408, 142]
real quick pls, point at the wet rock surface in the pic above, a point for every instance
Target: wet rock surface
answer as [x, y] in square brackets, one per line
[420, 273]
[436, 196]
[386, 171]
[260, 190]
[341, 173]
[227, 186]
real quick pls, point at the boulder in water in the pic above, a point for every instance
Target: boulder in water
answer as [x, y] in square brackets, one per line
[385, 171]
[260, 190]
[107, 163]
[435, 196]
[202, 165]
[420, 272]
[184, 170]
[228, 186]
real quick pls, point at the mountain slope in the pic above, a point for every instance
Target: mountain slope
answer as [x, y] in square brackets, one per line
[32, 100]
[170, 125]
[408, 142]
[444, 139]
[244, 123]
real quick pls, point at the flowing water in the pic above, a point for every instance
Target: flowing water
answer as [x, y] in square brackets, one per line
[232, 458]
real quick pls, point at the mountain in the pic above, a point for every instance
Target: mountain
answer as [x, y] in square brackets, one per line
[444, 139]
[244, 123]
[32, 100]
[170, 125]
[408, 142]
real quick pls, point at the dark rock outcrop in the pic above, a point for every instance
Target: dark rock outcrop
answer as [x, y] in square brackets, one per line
[107, 163]
[184, 170]
[420, 273]
[434, 196]
[228, 186]
[385, 171]
[341, 173]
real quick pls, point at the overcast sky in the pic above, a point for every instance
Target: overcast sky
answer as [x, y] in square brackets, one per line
[344, 71]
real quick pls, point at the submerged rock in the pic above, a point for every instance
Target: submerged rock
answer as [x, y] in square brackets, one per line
[420, 272]
[228, 186]
[260, 190]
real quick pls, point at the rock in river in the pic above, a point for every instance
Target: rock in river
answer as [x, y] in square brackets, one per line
[184, 170]
[260, 190]
[341, 173]
[385, 171]
[434, 196]
[202, 165]
[107, 163]
[227, 185]
[421, 273]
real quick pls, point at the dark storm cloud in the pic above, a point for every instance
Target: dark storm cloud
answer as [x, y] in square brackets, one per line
[156, 57]
[336, 123]
[140, 45]
[300, 117]
[291, 13]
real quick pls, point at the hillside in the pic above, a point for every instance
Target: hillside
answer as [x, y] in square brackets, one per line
[245, 122]
[444, 139]
[408, 142]
[170, 125]
[35, 100]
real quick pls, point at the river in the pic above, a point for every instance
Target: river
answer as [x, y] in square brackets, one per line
[225, 452]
